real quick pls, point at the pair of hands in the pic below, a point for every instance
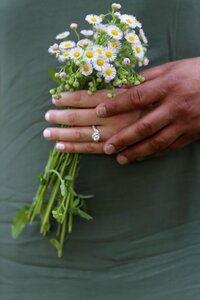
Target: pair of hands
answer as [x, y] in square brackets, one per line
[157, 116]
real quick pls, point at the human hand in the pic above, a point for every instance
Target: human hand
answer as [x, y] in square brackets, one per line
[82, 116]
[173, 91]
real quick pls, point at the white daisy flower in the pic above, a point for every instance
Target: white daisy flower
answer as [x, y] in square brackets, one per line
[62, 35]
[132, 38]
[76, 53]
[143, 36]
[114, 44]
[99, 63]
[85, 43]
[116, 6]
[110, 54]
[114, 32]
[53, 49]
[131, 21]
[93, 19]
[138, 51]
[90, 55]
[101, 27]
[86, 69]
[73, 25]
[109, 72]
[66, 45]
[98, 49]
[87, 32]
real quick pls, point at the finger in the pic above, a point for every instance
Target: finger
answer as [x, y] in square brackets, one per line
[138, 96]
[154, 145]
[83, 99]
[73, 117]
[76, 134]
[140, 130]
[152, 73]
[90, 148]
[180, 143]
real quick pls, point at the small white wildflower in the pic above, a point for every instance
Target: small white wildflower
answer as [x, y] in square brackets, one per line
[76, 53]
[85, 43]
[109, 72]
[114, 32]
[93, 19]
[99, 63]
[110, 54]
[66, 45]
[114, 44]
[73, 26]
[86, 69]
[128, 19]
[98, 49]
[90, 55]
[116, 6]
[53, 49]
[62, 58]
[138, 51]
[101, 27]
[87, 32]
[126, 61]
[62, 35]
[132, 38]
[143, 36]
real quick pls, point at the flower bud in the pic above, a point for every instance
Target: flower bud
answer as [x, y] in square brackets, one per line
[73, 25]
[126, 61]
[116, 6]
[62, 75]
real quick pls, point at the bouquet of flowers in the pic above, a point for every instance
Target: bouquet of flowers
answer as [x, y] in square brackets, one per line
[105, 58]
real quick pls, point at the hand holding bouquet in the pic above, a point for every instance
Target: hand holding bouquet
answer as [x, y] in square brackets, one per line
[105, 58]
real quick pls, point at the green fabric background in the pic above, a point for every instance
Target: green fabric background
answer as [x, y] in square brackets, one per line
[144, 242]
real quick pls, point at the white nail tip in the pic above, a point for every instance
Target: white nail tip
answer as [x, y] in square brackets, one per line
[47, 116]
[60, 146]
[46, 133]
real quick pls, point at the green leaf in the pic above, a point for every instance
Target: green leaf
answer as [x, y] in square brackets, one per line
[78, 212]
[68, 177]
[19, 222]
[85, 196]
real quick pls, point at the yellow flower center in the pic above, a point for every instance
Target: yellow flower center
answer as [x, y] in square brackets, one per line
[93, 19]
[108, 72]
[114, 44]
[138, 49]
[129, 21]
[66, 54]
[100, 62]
[108, 54]
[99, 51]
[131, 38]
[67, 45]
[86, 68]
[114, 32]
[89, 54]
[76, 54]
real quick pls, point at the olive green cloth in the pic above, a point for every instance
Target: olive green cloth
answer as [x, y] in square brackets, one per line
[144, 241]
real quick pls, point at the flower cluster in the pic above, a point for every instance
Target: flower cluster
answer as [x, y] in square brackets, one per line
[106, 56]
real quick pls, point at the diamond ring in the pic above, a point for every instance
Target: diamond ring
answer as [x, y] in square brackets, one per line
[96, 134]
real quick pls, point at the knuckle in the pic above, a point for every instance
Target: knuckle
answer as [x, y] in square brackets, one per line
[72, 117]
[136, 97]
[145, 128]
[159, 143]
[90, 148]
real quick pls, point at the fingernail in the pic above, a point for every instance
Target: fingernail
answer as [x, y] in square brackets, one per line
[47, 116]
[110, 149]
[60, 146]
[101, 111]
[122, 160]
[46, 133]
[53, 100]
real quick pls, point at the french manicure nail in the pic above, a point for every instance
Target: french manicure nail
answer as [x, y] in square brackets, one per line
[60, 146]
[47, 116]
[101, 111]
[46, 133]
[110, 149]
[122, 160]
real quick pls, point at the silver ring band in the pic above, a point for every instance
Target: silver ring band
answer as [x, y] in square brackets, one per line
[96, 134]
